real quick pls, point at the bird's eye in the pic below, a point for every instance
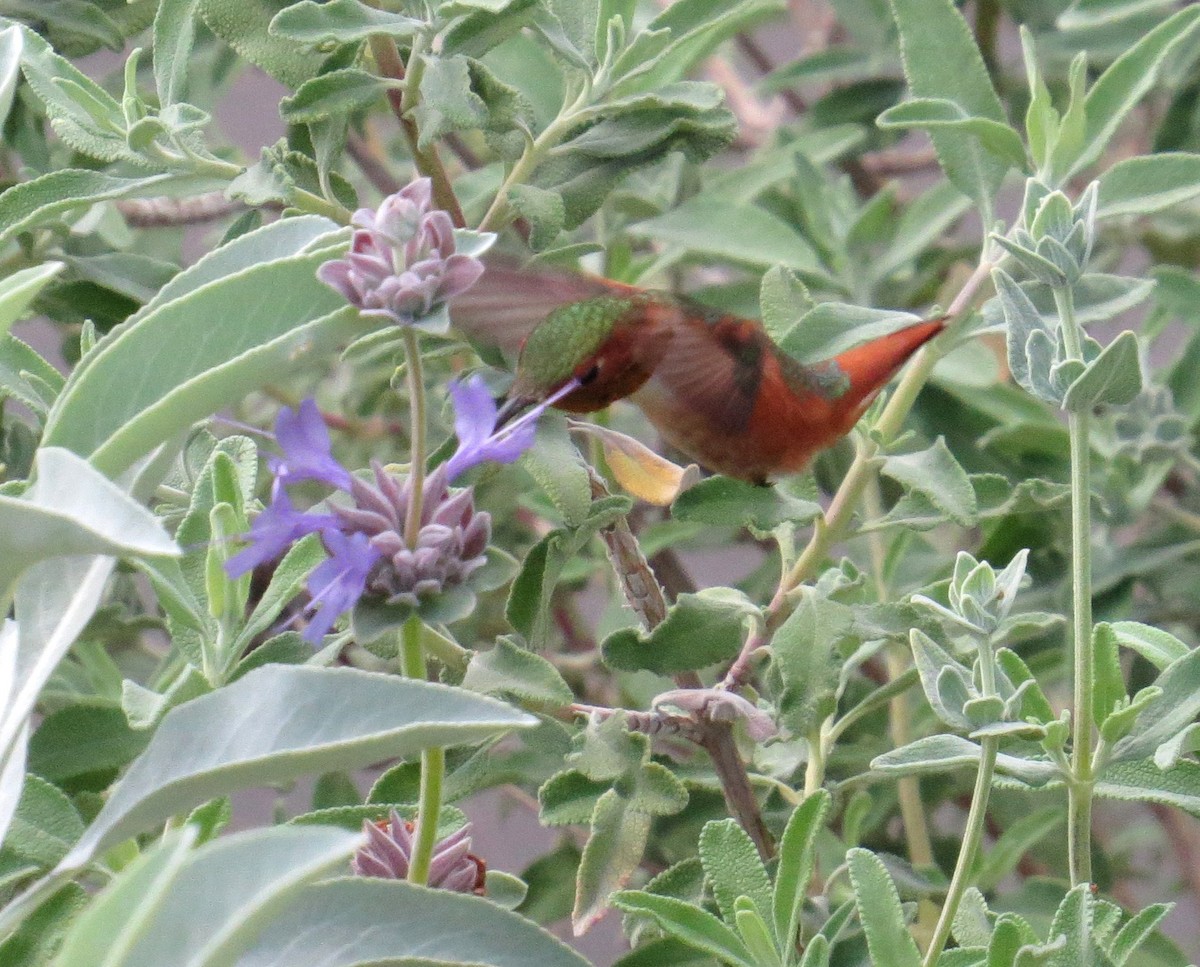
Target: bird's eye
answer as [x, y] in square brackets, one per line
[592, 372]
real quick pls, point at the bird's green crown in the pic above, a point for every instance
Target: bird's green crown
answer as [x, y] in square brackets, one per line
[570, 334]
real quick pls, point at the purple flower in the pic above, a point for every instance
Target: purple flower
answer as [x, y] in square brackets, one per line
[337, 583]
[274, 530]
[307, 453]
[388, 853]
[402, 262]
[479, 439]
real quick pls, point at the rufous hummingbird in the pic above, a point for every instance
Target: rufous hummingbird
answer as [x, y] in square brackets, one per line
[714, 385]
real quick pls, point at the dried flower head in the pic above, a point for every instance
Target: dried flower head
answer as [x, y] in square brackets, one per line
[402, 264]
[388, 852]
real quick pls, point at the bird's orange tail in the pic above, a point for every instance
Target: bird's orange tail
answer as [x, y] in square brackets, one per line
[872, 364]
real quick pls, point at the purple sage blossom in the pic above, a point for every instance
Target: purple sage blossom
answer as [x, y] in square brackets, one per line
[402, 264]
[307, 452]
[338, 582]
[388, 854]
[275, 530]
[479, 439]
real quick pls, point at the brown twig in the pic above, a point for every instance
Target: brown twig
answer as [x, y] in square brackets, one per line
[646, 598]
[371, 165]
[427, 160]
[168, 212]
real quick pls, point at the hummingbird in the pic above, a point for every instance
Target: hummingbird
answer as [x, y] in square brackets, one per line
[714, 385]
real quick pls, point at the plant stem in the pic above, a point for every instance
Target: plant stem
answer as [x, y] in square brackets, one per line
[530, 158]
[1080, 787]
[416, 405]
[433, 764]
[645, 596]
[972, 837]
[426, 160]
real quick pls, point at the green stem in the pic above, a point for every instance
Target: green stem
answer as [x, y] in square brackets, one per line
[972, 837]
[416, 404]
[306, 201]
[535, 151]
[908, 788]
[1080, 787]
[433, 764]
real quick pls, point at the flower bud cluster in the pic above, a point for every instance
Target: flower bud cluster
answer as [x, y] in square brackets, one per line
[388, 855]
[450, 545]
[403, 262]
[1055, 244]
[980, 599]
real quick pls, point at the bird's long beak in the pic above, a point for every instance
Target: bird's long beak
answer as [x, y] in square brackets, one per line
[512, 407]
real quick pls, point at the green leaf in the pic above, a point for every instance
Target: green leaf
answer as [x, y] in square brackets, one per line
[243, 25]
[943, 753]
[544, 210]
[941, 114]
[879, 911]
[277, 723]
[508, 669]
[286, 581]
[135, 390]
[1127, 80]
[82, 739]
[174, 36]
[1024, 323]
[783, 299]
[1167, 715]
[1139, 186]
[733, 867]
[30, 204]
[695, 927]
[939, 477]
[211, 906]
[1023, 834]
[747, 234]
[725, 500]
[447, 101]
[1140, 780]
[11, 45]
[1135, 931]
[700, 629]
[946, 683]
[338, 93]
[1158, 647]
[1115, 376]
[924, 222]
[569, 798]
[83, 113]
[104, 931]
[796, 857]
[614, 849]
[38, 938]
[18, 290]
[355, 920]
[339, 21]
[807, 655]
[942, 61]
[72, 509]
[693, 29]
[555, 463]
[1109, 681]
[45, 825]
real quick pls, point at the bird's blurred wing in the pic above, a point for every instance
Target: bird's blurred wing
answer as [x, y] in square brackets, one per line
[512, 299]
